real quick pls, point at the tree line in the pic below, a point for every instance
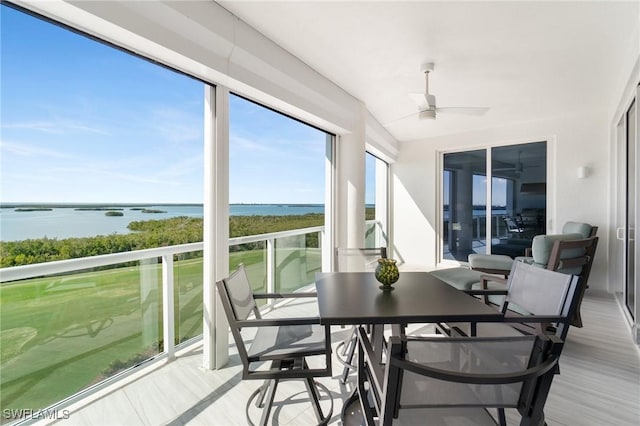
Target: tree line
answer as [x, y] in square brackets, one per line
[154, 233]
[147, 234]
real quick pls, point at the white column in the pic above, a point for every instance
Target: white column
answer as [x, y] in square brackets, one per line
[327, 237]
[350, 184]
[216, 224]
[168, 311]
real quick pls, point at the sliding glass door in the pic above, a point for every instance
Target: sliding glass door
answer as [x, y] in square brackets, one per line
[464, 204]
[629, 291]
[506, 184]
[624, 251]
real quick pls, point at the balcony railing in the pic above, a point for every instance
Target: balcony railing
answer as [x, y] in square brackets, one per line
[67, 325]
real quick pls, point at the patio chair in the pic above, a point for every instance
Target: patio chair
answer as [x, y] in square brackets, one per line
[286, 343]
[563, 253]
[462, 380]
[514, 229]
[354, 260]
[501, 264]
[536, 301]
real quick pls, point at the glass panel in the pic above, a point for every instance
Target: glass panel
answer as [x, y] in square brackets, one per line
[187, 276]
[464, 204]
[61, 334]
[519, 196]
[115, 139]
[297, 259]
[254, 257]
[631, 209]
[276, 183]
[376, 189]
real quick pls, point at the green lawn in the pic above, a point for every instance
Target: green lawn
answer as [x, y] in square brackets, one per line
[61, 334]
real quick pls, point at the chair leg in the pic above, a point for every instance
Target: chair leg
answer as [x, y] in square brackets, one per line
[348, 340]
[502, 420]
[270, 396]
[349, 360]
[314, 397]
[263, 391]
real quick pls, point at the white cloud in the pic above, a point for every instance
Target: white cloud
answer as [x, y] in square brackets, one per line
[55, 127]
[25, 149]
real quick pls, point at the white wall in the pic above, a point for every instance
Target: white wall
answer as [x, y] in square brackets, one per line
[574, 141]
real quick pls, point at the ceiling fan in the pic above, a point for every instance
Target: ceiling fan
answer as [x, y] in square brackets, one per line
[517, 168]
[426, 103]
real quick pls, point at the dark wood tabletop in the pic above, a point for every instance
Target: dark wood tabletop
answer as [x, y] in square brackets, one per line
[417, 297]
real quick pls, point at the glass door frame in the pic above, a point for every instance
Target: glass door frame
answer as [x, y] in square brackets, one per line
[550, 191]
[619, 272]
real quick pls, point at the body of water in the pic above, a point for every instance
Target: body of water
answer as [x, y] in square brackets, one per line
[67, 222]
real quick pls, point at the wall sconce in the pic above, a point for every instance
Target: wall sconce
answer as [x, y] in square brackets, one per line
[583, 172]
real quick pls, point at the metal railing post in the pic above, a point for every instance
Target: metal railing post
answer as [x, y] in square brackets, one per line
[168, 314]
[271, 268]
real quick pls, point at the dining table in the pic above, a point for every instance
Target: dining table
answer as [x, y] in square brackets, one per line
[357, 298]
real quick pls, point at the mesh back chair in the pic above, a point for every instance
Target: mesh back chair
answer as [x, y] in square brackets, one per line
[285, 343]
[354, 260]
[536, 301]
[461, 381]
[569, 256]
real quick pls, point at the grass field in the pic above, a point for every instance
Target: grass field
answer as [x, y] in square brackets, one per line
[61, 334]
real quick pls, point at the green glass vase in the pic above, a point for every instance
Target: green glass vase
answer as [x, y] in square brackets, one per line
[387, 273]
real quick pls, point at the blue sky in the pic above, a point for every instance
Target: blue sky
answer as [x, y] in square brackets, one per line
[83, 122]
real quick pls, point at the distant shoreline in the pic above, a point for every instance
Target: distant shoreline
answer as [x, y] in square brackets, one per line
[6, 205]
[90, 205]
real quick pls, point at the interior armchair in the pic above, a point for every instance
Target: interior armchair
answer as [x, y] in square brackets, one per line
[501, 264]
[284, 343]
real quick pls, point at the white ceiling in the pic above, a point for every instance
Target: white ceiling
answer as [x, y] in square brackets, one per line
[525, 60]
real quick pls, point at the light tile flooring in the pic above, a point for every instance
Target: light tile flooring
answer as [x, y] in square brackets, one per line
[599, 384]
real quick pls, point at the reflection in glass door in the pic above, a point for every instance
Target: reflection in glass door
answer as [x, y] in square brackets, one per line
[518, 196]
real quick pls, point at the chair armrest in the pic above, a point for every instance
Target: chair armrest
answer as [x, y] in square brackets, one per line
[504, 272]
[486, 278]
[532, 318]
[475, 378]
[284, 295]
[528, 252]
[486, 292]
[266, 322]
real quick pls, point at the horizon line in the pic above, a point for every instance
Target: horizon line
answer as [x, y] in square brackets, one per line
[7, 204]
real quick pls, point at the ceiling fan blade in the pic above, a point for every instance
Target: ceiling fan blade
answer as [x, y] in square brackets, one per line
[397, 120]
[420, 99]
[476, 111]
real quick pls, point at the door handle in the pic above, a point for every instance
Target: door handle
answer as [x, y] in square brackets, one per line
[620, 233]
[632, 234]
